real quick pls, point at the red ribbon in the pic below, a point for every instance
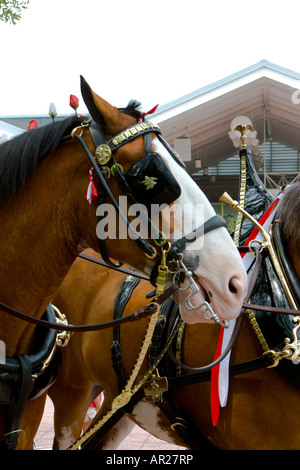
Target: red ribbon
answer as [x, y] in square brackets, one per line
[149, 112]
[91, 190]
[214, 391]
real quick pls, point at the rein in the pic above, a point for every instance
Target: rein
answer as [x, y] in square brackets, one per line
[116, 268]
[143, 312]
[169, 252]
[173, 250]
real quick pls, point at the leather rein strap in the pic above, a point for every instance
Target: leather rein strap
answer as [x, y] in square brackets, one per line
[175, 247]
[143, 312]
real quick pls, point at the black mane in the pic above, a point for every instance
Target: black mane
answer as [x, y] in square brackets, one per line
[20, 155]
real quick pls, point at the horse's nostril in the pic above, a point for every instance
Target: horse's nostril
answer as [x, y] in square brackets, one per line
[232, 287]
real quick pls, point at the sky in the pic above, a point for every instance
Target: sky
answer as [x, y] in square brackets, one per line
[154, 51]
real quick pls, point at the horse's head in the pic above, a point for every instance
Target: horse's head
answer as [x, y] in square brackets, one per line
[153, 215]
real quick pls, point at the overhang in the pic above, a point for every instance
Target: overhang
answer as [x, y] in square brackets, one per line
[265, 92]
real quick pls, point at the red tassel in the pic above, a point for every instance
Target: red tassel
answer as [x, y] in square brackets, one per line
[214, 390]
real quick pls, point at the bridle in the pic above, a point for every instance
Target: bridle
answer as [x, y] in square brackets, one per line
[173, 253]
[170, 253]
[103, 172]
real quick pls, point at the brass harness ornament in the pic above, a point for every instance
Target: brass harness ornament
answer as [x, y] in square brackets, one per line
[291, 350]
[133, 385]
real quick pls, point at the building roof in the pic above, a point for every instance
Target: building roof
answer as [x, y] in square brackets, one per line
[264, 92]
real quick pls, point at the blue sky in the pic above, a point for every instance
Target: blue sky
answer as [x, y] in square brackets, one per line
[153, 51]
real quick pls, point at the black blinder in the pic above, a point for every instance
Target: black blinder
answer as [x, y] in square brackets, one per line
[151, 182]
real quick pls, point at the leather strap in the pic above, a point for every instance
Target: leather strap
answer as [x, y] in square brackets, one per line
[211, 224]
[13, 413]
[249, 366]
[143, 312]
[263, 308]
[116, 268]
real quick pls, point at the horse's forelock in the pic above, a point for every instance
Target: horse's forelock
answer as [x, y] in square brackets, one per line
[132, 109]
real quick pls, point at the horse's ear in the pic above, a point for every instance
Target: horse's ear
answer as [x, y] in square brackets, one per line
[101, 111]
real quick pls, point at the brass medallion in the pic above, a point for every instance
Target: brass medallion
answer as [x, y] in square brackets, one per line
[102, 154]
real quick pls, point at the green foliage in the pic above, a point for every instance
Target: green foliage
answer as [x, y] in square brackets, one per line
[10, 10]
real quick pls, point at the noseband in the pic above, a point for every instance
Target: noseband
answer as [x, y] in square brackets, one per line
[163, 189]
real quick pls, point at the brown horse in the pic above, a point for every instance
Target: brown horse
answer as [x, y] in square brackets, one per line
[263, 409]
[44, 175]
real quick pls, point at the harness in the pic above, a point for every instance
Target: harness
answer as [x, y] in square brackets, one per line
[165, 360]
[134, 183]
[23, 376]
[163, 381]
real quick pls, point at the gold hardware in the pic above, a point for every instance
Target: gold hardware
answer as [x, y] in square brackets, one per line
[161, 280]
[156, 386]
[154, 253]
[107, 169]
[259, 242]
[257, 330]
[134, 388]
[179, 422]
[133, 131]
[227, 199]
[102, 154]
[162, 242]
[242, 197]
[82, 127]
[62, 337]
[149, 182]
[124, 397]
[243, 129]
[12, 432]
[161, 275]
[116, 165]
[293, 349]
[267, 244]
[179, 344]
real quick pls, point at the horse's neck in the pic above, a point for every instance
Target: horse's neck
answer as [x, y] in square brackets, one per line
[39, 241]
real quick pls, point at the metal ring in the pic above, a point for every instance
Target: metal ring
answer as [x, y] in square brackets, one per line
[161, 243]
[154, 253]
[116, 165]
[253, 250]
[106, 168]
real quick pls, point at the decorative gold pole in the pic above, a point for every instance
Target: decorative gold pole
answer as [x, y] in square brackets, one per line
[226, 199]
[243, 175]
